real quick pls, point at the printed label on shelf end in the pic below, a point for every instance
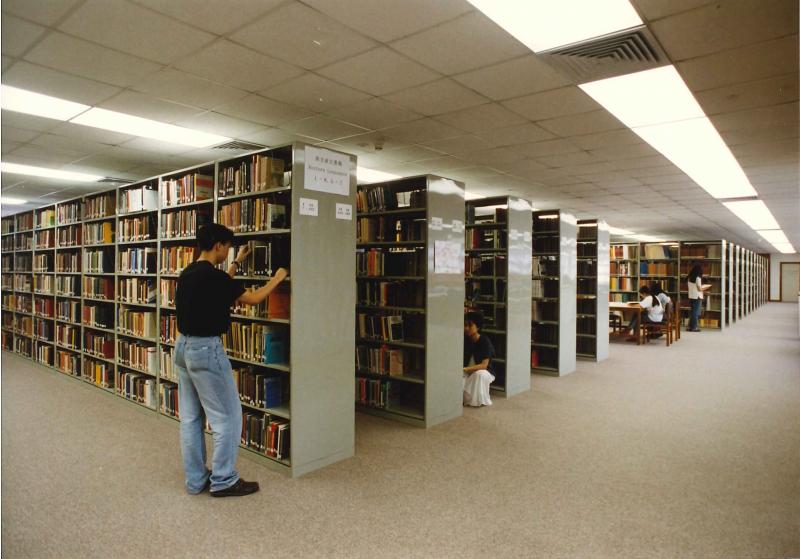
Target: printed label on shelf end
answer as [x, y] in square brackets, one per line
[309, 206]
[344, 211]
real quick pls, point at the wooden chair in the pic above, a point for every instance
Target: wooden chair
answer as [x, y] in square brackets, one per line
[676, 314]
[664, 327]
[615, 323]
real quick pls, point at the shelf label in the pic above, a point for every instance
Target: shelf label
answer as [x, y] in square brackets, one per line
[344, 211]
[327, 171]
[458, 226]
[526, 236]
[309, 206]
[448, 257]
[436, 223]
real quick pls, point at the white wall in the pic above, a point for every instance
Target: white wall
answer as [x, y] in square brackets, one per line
[775, 273]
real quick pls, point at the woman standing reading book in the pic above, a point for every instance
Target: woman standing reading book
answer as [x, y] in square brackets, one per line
[205, 381]
[478, 371]
[696, 289]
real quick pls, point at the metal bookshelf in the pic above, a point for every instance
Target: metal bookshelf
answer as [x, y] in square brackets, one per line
[624, 272]
[498, 284]
[592, 290]
[424, 387]
[43, 284]
[318, 374]
[553, 291]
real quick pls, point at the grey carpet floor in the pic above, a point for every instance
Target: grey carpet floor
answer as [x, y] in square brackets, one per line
[688, 451]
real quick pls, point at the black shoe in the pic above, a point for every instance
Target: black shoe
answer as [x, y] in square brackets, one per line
[238, 489]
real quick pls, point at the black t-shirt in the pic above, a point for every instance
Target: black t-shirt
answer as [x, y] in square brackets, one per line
[203, 299]
[478, 351]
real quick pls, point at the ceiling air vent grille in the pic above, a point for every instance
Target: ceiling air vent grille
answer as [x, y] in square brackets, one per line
[620, 53]
[238, 145]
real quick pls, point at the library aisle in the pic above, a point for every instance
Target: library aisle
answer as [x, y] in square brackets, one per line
[687, 451]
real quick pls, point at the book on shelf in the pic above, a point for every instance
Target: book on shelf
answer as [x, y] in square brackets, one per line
[175, 258]
[98, 233]
[387, 328]
[279, 302]
[136, 387]
[252, 215]
[137, 228]
[100, 315]
[264, 258]
[68, 335]
[69, 212]
[390, 229]
[386, 360]
[390, 262]
[137, 355]
[256, 173]
[96, 207]
[137, 291]
[98, 372]
[384, 198]
[183, 223]
[45, 217]
[265, 434]
[98, 261]
[391, 293]
[256, 342]
[193, 187]
[372, 393]
[137, 199]
[99, 344]
[67, 362]
[168, 328]
[98, 288]
[624, 252]
[139, 260]
[259, 388]
[168, 398]
[69, 236]
[137, 323]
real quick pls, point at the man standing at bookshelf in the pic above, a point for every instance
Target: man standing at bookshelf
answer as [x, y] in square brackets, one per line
[206, 388]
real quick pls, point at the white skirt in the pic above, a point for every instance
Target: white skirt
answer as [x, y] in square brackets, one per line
[476, 388]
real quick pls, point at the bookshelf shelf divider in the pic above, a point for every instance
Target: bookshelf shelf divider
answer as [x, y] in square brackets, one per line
[553, 350]
[411, 227]
[502, 222]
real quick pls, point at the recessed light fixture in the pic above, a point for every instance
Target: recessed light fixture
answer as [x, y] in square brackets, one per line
[146, 128]
[30, 170]
[541, 25]
[754, 213]
[786, 248]
[774, 236]
[658, 106]
[618, 231]
[37, 104]
[366, 175]
[12, 201]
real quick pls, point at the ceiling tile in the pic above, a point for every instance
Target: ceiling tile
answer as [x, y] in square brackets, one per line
[374, 142]
[7, 62]
[44, 12]
[513, 78]
[599, 140]
[18, 35]
[146, 106]
[481, 118]
[379, 71]
[445, 163]
[315, 93]
[568, 159]
[274, 137]
[155, 146]
[419, 131]
[387, 20]
[546, 147]
[153, 37]
[7, 146]
[554, 103]
[657, 9]
[458, 145]
[322, 128]
[374, 114]
[517, 134]
[719, 26]
[84, 59]
[761, 93]
[50, 157]
[51, 82]
[256, 108]
[436, 98]
[28, 122]
[57, 142]
[494, 156]
[184, 88]
[615, 152]
[224, 125]
[9, 133]
[219, 17]
[409, 154]
[758, 118]
[302, 36]
[465, 43]
[89, 133]
[236, 66]
[582, 124]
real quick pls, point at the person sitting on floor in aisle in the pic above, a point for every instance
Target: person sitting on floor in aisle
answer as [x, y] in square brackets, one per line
[206, 388]
[655, 312]
[478, 370]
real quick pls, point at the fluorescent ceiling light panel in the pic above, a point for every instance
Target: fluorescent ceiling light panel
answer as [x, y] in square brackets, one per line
[146, 128]
[646, 238]
[786, 248]
[774, 236]
[754, 213]
[546, 24]
[47, 173]
[12, 201]
[618, 231]
[366, 175]
[660, 109]
[28, 102]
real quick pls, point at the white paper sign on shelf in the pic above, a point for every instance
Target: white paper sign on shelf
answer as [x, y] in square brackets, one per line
[448, 257]
[309, 206]
[436, 223]
[458, 226]
[526, 236]
[344, 211]
[327, 171]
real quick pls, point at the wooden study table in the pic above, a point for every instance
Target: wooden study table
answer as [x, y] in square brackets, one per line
[629, 310]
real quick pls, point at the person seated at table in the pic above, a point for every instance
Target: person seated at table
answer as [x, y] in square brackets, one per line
[663, 298]
[478, 370]
[655, 312]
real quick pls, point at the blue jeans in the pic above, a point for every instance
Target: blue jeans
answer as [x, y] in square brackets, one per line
[206, 389]
[694, 317]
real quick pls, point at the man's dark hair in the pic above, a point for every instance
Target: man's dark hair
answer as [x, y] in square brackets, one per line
[474, 317]
[644, 290]
[213, 233]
